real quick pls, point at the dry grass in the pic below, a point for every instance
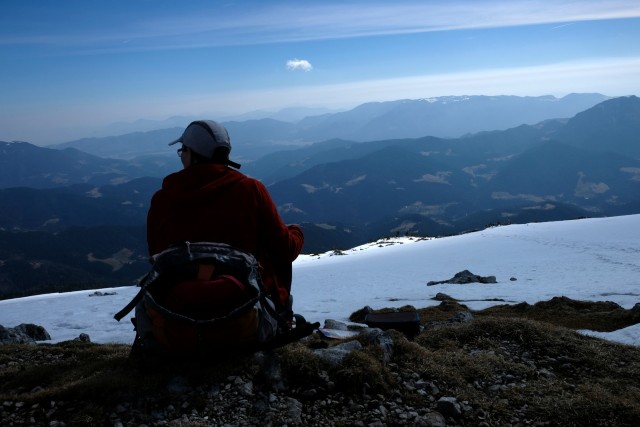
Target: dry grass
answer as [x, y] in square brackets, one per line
[562, 311]
[91, 379]
[527, 360]
[512, 368]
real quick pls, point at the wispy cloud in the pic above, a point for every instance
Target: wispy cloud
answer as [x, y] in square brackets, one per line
[562, 25]
[299, 64]
[297, 21]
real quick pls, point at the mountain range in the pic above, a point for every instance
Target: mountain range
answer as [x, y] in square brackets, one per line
[588, 165]
[445, 117]
[75, 219]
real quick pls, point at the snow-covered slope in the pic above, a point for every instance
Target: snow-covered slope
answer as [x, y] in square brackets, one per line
[589, 259]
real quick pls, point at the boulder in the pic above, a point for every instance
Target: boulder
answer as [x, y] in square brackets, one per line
[465, 277]
[25, 333]
[334, 355]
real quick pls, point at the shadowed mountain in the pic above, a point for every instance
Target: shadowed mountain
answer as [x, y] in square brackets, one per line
[27, 165]
[78, 205]
[474, 148]
[341, 181]
[77, 258]
[344, 192]
[561, 172]
[373, 186]
[448, 180]
[612, 126]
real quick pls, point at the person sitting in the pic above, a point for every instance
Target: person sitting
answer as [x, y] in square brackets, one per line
[210, 201]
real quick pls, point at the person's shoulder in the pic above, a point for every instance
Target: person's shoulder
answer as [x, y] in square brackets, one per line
[254, 186]
[245, 178]
[175, 179]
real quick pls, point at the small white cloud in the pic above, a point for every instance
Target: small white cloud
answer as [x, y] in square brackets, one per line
[299, 64]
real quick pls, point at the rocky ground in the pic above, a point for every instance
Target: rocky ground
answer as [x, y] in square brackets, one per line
[463, 369]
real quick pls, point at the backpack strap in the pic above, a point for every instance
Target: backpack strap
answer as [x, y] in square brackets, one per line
[127, 308]
[148, 298]
[136, 299]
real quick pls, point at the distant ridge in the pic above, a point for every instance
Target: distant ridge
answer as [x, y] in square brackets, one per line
[445, 117]
[609, 126]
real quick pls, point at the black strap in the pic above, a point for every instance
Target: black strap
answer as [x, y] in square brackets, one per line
[303, 328]
[136, 299]
[127, 309]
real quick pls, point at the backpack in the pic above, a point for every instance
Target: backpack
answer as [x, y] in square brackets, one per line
[207, 298]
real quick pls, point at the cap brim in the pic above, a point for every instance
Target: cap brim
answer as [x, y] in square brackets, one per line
[233, 164]
[176, 141]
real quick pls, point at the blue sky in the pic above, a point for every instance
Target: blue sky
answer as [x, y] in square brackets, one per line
[68, 68]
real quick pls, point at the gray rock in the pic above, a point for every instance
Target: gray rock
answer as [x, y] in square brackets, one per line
[334, 324]
[25, 333]
[294, 410]
[462, 317]
[546, 373]
[334, 355]
[465, 277]
[381, 339]
[459, 317]
[102, 294]
[270, 370]
[4, 334]
[83, 338]
[35, 332]
[246, 389]
[442, 297]
[434, 419]
[449, 407]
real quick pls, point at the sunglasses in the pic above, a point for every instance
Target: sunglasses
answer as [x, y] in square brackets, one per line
[181, 150]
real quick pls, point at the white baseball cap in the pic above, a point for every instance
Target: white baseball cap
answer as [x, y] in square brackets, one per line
[205, 137]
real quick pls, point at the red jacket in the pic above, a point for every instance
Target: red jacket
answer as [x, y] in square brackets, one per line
[214, 203]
